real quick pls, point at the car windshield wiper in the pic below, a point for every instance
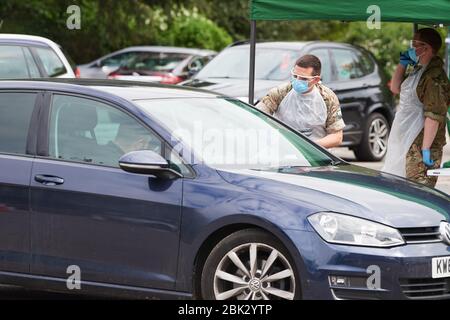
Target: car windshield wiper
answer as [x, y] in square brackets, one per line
[336, 162]
[279, 168]
[331, 162]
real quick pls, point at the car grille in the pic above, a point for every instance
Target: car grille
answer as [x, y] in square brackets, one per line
[426, 288]
[421, 235]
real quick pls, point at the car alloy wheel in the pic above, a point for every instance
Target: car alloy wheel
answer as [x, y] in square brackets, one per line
[378, 137]
[254, 271]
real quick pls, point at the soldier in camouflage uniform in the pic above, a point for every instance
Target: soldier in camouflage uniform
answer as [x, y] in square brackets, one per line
[329, 125]
[433, 91]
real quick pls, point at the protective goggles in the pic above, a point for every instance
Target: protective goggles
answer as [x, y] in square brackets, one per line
[301, 77]
[417, 44]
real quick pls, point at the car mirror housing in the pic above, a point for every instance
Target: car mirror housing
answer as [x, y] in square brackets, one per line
[148, 162]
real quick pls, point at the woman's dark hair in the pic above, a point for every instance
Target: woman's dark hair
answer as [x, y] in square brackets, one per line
[430, 36]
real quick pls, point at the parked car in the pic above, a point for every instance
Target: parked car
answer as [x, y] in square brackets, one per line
[351, 72]
[23, 56]
[169, 65]
[108, 178]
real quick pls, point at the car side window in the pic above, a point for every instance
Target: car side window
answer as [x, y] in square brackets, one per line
[366, 63]
[324, 58]
[118, 60]
[53, 66]
[16, 110]
[32, 67]
[177, 164]
[347, 65]
[13, 64]
[89, 131]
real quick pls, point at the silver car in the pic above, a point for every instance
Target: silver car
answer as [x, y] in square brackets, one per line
[25, 57]
[149, 63]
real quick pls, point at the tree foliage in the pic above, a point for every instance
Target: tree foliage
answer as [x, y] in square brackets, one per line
[108, 25]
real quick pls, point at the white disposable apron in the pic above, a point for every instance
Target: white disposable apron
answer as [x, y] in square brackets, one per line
[306, 113]
[407, 125]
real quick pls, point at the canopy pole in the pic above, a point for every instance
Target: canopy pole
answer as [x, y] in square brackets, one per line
[415, 28]
[251, 83]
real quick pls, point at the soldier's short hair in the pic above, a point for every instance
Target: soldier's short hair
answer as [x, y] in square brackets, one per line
[430, 36]
[310, 61]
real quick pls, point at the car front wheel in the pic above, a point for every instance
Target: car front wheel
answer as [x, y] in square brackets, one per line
[249, 265]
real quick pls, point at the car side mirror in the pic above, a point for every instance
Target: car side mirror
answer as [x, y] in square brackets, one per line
[194, 67]
[148, 162]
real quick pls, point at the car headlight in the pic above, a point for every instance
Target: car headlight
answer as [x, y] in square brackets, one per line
[344, 229]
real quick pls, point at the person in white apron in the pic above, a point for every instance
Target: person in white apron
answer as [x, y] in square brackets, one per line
[407, 125]
[305, 112]
[417, 137]
[307, 105]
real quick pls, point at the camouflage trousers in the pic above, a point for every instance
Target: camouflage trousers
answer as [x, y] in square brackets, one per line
[416, 170]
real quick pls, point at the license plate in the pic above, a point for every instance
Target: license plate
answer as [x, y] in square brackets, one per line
[441, 267]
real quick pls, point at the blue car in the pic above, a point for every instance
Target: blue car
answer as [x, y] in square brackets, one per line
[150, 191]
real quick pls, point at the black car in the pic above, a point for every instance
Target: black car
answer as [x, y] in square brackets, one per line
[351, 72]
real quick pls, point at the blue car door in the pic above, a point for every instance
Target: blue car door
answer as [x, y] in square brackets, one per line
[117, 227]
[16, 160]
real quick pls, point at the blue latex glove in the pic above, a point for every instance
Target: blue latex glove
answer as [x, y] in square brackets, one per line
[405, 59]
[426, 157]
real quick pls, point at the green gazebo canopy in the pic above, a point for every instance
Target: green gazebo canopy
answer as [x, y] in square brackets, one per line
[428, 12]
[416, 11]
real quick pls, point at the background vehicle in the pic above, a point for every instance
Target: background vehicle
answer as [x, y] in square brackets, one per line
[92, 175]
[168, 65]
[351, 72]
[23, 56]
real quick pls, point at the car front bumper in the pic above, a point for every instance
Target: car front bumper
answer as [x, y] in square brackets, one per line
[330, 271]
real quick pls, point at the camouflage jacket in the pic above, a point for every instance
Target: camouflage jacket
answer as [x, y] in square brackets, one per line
[334, 123]
[433, 90]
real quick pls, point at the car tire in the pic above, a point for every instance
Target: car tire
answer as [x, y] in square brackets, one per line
[227, 273]
[373, 146]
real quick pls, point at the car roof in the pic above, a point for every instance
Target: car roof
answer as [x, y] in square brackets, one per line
[202, 52]
[274, 45]
[128, 90]
[292, 45]
[25, 38]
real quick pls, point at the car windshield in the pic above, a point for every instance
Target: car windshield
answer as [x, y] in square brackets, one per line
[227, 133]
[271, 64]
[155, 61]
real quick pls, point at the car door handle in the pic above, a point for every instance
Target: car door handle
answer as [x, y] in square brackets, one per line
[48, 180]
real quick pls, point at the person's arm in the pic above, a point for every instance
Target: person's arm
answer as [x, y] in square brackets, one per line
[270, 103]
[430, 129]
[332, 140]
[397, 78]
[334, 124]
[432, 92]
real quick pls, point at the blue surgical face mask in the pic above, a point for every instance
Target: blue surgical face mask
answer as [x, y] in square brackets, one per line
[300, 86]
[413, 55]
